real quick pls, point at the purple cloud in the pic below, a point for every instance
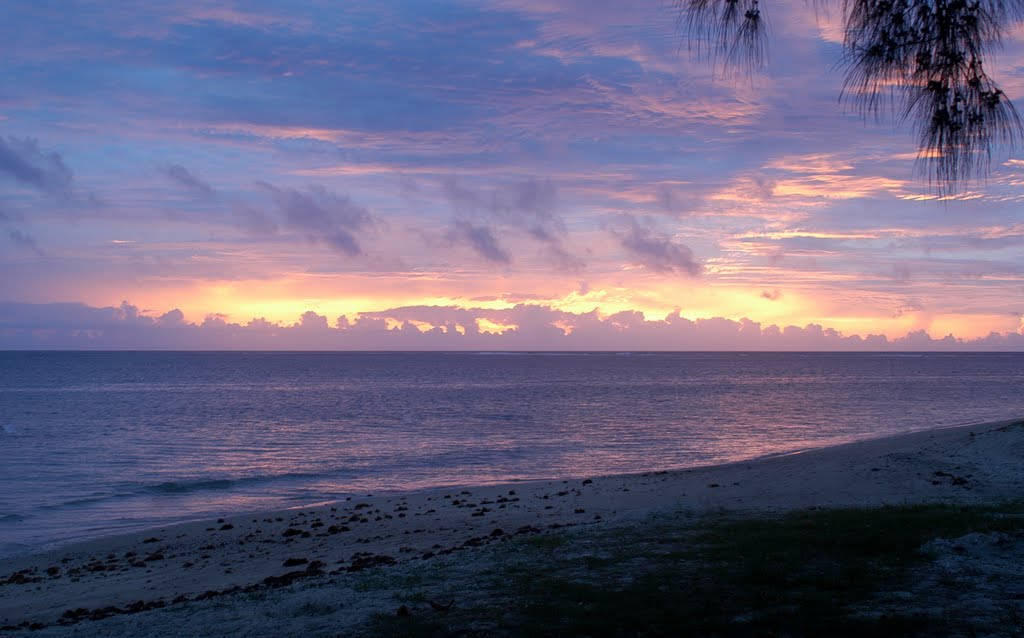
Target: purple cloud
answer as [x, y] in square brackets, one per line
[657, 252]
[529, 206]
[526, 327]
[481, 239]
[321, 216]
[183, 177]
[22, 161]
[24, 240]
[171, 318]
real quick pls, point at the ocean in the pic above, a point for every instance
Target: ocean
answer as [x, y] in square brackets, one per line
[97, 443]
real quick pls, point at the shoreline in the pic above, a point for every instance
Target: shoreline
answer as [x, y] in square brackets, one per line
[144, 528]
[199, 560]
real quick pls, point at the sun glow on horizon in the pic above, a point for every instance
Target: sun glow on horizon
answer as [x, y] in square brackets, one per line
[767, 307]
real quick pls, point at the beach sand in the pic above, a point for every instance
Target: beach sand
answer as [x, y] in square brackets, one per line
[226, 577]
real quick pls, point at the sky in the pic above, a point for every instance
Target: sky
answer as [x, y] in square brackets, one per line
[487, 174]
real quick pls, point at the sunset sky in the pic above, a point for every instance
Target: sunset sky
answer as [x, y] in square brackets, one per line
[507, 174]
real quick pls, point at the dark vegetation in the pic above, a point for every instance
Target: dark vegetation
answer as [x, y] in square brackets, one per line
[846, 572]
[925, 60]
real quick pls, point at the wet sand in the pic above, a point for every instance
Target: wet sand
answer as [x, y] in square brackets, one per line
[148, 578]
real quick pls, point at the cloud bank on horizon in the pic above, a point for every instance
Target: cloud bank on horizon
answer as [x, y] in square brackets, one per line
[523, 327]
[508, 174]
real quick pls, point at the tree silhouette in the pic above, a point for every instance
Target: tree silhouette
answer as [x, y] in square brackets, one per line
[922, 59]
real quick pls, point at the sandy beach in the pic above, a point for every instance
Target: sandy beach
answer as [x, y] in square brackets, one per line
[228, 576]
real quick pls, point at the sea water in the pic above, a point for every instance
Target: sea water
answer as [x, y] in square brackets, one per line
[93, 444]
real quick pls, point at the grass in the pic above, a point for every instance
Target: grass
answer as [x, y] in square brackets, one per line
[806, 573]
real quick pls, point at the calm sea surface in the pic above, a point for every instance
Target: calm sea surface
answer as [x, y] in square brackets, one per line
[97, 443]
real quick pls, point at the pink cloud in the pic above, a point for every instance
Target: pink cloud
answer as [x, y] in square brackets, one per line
[523, 327]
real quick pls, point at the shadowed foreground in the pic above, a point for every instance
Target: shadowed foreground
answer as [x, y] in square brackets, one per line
[919, 534]
[919, 570]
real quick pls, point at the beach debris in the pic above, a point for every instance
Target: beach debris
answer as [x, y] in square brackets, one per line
[31, 626]
[314, 568]
[442, 607]
[72, 616]
[22, 577]
[213, 593]
[366, 560]
[953, 479]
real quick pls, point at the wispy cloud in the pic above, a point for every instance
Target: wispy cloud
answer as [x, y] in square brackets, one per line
[481, 239]
[185, 178]
[23, 240]
[24, 162]
[321, 216]
[529, 204]
[657, 252]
